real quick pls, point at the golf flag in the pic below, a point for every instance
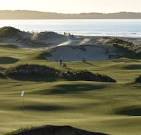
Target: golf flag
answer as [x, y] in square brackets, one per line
[22, 93]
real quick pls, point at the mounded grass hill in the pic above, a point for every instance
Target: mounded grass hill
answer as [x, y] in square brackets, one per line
[98, 49]
[10, 36]
[33, 72]
[50, 38]
[55, 130]
[138, 79]
[129, 49]
[86, 76]
[80, 52]
[36, 72]
[9, 32]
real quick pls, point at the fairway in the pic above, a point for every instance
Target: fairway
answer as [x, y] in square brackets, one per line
[112, 108]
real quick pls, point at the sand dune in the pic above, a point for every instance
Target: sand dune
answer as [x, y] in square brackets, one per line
[80, 52]
[69, 47]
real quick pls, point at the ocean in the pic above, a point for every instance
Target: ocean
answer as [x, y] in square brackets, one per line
[92, 27]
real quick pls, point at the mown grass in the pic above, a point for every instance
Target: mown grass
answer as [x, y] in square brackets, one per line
[102, 107]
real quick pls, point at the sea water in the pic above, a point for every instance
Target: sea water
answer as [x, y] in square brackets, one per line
[87, 27]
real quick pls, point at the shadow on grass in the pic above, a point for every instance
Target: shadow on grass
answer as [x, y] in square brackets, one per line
[72, 88]
[89, 63]
[133, 67]
[34, 78]
[130, 111]
[41, 107]
[8, 60]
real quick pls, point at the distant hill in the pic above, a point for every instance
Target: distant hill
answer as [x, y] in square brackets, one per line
[25, 14]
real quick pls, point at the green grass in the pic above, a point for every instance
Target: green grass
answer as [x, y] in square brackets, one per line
[8, 31]
[102, 107]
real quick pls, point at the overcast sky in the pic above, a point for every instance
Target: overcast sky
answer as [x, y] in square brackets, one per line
[72, 6]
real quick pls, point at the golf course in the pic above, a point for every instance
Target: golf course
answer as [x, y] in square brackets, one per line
[112, 108]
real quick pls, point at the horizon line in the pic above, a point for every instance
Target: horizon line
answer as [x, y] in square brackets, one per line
[68, 13]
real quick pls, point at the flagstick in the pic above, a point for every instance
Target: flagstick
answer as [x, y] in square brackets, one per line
[22, 95]
[23, 103]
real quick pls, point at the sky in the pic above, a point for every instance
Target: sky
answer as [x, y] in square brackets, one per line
[73, 6]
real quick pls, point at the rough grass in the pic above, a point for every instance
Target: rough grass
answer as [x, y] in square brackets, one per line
[99, 107]
[128, 49]
[138, 79]
[8, 31]
[8, 46]
[35, 72]
[57, 130]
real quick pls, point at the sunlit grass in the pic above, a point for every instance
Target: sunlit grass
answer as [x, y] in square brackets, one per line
[89, 105]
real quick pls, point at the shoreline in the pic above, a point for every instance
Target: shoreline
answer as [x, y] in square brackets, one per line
[82, 27]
